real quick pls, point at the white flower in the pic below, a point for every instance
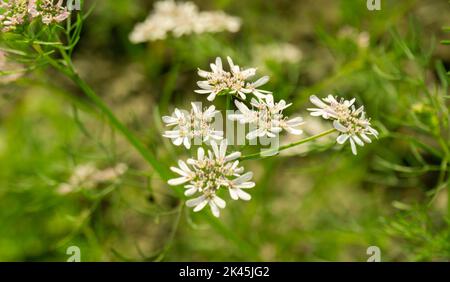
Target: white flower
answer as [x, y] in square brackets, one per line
[351, 122]
[277, 52]
[210, 172]
[181, 18]
[235, 81]
[188, 126]
[267, 117]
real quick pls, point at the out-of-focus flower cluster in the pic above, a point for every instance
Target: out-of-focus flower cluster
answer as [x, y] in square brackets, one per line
[9, 71]
[277, 52]
[183, 18]
[14, 13]
[88, 176]
[361, 39]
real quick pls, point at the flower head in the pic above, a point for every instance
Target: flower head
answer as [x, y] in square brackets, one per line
[12, 14]
[210, 172]
[191, 125]
[181, 18]
[350, 121]
[279, 52]
[267, 117]
[50, 11]
[16, 12]
[234, 81]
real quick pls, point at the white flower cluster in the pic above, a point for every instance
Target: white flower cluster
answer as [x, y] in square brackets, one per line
[218, 81]
[16, 12]
[180, 19]
[266, 117]
[350, 121]
[191, 125]
[277, 52]
[210, 172]
[214, 170]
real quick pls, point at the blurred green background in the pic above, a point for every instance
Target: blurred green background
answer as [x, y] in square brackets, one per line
[314, 203]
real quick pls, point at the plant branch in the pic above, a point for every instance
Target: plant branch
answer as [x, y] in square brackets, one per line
[264, 154]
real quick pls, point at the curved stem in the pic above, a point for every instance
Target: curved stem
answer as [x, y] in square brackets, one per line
[136, 143]
[285, 147]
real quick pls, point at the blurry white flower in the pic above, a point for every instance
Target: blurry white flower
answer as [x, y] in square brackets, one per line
[234, 81]
[181, 18]
[210, 172]
[278, 52]
[195, 124]
[362, 39]
[216, 21]
[88, 176]
[267, 117]
[349, 121]
[12, 14]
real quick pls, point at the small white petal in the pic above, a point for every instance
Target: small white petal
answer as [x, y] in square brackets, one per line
[194, 202]
[200, 206]
[342, 138]
[353, 146]
[177, 181]
[219, 202]
[214, 209]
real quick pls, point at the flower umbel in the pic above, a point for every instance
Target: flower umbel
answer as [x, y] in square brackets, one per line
[188, 126]
[267, 117]
[17, 12]
[235, 81]
[12, 14]
[350, 121]
[211, 171]
[50, 11]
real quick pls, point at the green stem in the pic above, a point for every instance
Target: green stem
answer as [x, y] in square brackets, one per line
[114, 121]
[285, 147]
[68, 69]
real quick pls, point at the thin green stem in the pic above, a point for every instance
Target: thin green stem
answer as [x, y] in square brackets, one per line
[114, 121]
[273, 152]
